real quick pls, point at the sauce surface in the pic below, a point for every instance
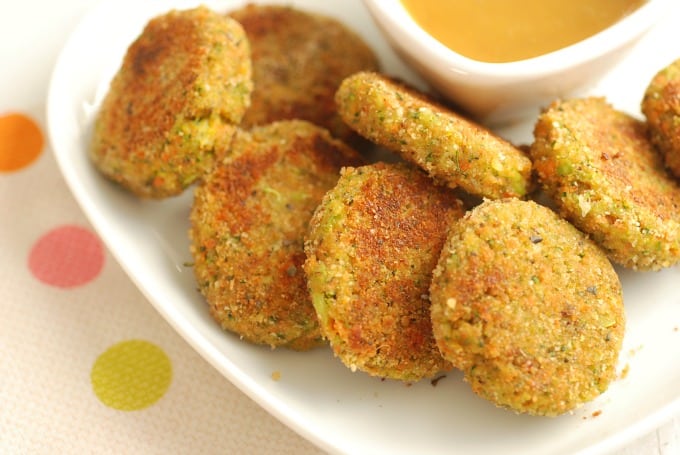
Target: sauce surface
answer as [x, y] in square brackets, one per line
[510, 30]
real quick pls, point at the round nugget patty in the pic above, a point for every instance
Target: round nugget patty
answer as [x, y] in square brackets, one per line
[248, 222]
[600, 168]
[453, 150]
[371, 248]
[299, 60]
[528, 307]
[661, 106]
[171, 109]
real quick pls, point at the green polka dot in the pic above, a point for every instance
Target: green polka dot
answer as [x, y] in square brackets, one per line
[131, 375]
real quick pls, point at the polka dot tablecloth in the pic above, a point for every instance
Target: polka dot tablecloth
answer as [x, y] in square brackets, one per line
[86, 364]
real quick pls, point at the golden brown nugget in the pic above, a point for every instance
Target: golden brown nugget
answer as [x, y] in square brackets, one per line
[528, 307]
[372, 245]
[299, 60]
[248, 223]
[661, 106]
[453, 150]
[601, 170]
[171, 108]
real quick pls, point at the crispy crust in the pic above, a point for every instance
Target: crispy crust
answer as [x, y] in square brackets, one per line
[453, 150]
[599, 167]
[248, 222]
[171, 108]
[661, 106]
[299, 61]
[372, 245]
[528, 307]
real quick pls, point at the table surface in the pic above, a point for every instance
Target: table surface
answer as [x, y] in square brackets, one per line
[71, 318]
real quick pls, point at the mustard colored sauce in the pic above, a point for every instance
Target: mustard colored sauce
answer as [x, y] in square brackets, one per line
[510, 30]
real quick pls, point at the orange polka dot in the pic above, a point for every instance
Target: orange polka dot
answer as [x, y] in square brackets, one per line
[21, 142]
[66, 256]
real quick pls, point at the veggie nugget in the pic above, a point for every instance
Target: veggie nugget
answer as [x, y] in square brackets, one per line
[453, 150]
[248, 223]
[371, 248]
[599, 167]
[299, 60]
[528, 307]
[171, 108]
[661, 106]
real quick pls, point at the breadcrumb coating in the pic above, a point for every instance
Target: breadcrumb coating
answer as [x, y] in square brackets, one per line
[171, 109]
[528, 307]
[299, 60]
[248, 222]
[372, 245]
[598, 165]
[661, 107]
[453, 150]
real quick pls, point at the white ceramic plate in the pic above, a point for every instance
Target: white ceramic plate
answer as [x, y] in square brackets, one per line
[316, 395]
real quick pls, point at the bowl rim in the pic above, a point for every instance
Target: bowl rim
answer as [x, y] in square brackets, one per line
[392, 16]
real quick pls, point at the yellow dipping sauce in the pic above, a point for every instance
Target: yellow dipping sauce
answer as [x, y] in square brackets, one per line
[509, 30]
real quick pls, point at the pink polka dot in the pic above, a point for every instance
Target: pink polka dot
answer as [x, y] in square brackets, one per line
[66, 256]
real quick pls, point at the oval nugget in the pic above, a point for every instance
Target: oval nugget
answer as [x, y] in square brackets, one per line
[299, 60]
[453, 150]
[171, 109]
[528, 307]
[661, 106]
[248, 222]
[599, 167]
[372, 245]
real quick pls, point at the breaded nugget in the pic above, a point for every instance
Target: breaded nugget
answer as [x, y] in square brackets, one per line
[248, 223]
[372, 245]
[528, 307]
[599, 167]
[453, 150]
[299, 60]
[172, 106]
[661, 106]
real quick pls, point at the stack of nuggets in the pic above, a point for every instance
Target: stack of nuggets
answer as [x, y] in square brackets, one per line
[297, 239]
